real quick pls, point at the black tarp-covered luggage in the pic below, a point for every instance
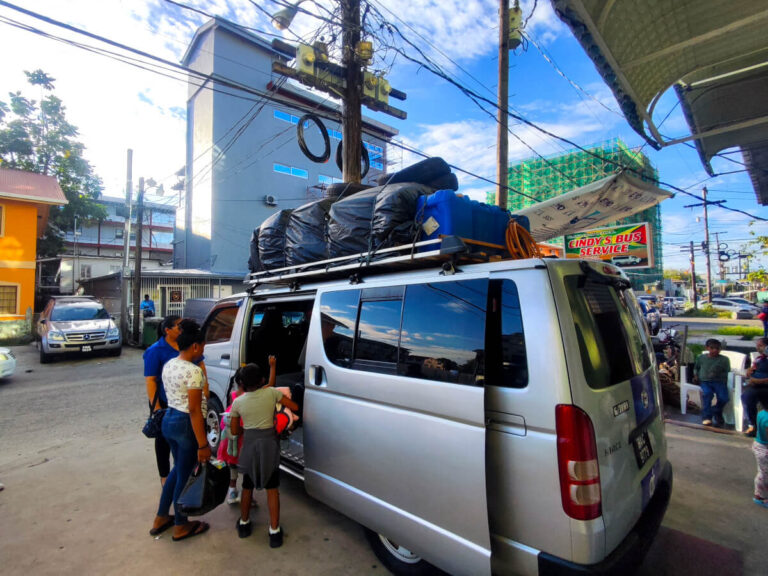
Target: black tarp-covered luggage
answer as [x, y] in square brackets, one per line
[344, 189]
[393, 220]
[305, 233]
[254, 264]
[272, 240]
[349, 223]
[424, 172]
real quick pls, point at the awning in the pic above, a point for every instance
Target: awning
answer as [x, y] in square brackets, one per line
[601, 202]
[715, 53]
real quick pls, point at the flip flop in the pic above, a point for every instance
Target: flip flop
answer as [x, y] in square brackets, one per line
[197, 529]
[763, 503]
[163, 527]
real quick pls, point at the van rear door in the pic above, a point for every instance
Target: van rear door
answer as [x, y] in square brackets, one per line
[613, 381]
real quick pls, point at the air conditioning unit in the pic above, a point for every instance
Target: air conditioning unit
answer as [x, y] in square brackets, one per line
[270, 200]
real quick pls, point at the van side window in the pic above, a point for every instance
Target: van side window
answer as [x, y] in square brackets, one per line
[506, 361]
[338, 315]
[443, 333]
[219, 327]
[611, 346]
[378, 333]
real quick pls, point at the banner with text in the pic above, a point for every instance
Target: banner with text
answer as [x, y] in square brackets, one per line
[628, 246]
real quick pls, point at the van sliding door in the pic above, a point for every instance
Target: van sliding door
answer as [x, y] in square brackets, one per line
[394, 415]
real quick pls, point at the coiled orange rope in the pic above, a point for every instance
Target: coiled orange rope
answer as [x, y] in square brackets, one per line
[520, 243]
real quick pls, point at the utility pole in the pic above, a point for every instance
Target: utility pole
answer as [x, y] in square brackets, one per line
[502, 136]
[707, 250]
[137, 261]
[721, 264]
[352, 120]
[126, 250]
[693, 278]
[74, 257]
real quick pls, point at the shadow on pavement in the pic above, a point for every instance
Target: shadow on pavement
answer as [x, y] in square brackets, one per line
[674, 552]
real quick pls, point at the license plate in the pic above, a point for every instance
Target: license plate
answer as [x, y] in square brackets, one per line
[643, 449]
[86, 348]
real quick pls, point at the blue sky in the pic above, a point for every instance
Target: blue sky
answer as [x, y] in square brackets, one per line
[118, 107]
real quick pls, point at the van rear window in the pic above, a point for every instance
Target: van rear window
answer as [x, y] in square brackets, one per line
[611, 344]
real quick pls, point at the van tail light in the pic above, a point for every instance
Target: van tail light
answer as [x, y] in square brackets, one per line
[577, 461]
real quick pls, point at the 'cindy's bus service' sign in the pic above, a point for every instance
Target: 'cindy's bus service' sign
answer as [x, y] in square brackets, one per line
[628, 246]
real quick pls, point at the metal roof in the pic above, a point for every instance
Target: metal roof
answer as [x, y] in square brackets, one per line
[714, 53]
[30, 187]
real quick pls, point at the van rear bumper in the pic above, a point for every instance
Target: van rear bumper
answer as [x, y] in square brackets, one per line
[630, 553]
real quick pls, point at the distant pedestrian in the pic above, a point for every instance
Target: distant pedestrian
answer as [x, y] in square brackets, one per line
[760, 449]
[756, 386]
[764, 313]
[260, 456]
[711, 373]
[147, 307]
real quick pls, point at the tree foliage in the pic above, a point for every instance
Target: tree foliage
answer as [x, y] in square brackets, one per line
[37, 137]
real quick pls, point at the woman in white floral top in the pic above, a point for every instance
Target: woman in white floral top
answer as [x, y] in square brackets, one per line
[184, 428]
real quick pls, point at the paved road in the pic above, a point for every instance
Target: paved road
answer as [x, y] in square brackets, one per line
[81, 491]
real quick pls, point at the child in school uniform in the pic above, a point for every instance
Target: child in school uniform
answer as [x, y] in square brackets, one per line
[260, 454]
[230, 446]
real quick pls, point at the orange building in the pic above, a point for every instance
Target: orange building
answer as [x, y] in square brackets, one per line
[25, 199]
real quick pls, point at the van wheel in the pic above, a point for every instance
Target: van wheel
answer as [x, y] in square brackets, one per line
[212, 423]
[397, 558]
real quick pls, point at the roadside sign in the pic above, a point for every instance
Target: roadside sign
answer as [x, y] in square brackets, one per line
[627, 246]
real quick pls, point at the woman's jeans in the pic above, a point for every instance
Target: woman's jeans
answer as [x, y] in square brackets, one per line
[177, 429]
[749, 399]
[708, 390]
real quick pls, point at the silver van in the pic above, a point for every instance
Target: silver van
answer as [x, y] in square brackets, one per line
[489, 418]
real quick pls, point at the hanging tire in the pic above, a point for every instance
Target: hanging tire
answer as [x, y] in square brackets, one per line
[326, 140]
[398, 559]
[363, 156]
[213, 423]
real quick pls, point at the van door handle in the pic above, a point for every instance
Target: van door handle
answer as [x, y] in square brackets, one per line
[225, 356]
[317, 376]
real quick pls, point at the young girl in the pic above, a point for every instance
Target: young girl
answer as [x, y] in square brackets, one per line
[227, 453]
[260, 456]
[760, 449]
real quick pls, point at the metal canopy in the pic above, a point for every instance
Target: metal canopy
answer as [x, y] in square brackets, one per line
[715, 53]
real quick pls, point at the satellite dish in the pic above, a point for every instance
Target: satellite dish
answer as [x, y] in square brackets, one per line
[270, 200]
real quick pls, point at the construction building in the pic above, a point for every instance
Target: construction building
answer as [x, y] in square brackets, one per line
[547, 177]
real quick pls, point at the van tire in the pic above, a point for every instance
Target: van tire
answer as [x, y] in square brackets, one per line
[398, 559]
[212, 423]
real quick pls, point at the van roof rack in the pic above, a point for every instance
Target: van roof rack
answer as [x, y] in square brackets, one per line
[449, 251]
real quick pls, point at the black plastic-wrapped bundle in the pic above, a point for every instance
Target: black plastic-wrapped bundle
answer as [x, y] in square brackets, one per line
[393, 221]
[254, 264]
[305, 234]
[272, 240]
[349, 223]
[424, 172]
[344, 189]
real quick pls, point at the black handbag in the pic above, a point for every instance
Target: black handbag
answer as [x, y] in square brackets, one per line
[206, 488]
[153, 427]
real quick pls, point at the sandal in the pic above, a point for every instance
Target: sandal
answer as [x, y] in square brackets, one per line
[760, 502]
[197, 528]
[163, 527]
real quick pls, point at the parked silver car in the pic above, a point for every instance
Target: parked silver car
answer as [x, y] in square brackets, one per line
[79, 324]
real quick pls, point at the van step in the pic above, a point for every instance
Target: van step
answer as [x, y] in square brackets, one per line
[292, 448]
[428, 253]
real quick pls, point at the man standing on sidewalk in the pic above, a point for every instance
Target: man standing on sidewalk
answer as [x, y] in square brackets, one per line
[756, 386]
[711, 373]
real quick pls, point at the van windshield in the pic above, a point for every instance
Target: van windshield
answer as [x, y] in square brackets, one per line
[81, 311]
[612, 345]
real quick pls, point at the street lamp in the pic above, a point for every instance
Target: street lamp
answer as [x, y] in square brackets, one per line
[282, 18]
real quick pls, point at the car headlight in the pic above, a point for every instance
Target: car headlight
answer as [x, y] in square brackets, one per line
[113, 332]
[54, 335]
